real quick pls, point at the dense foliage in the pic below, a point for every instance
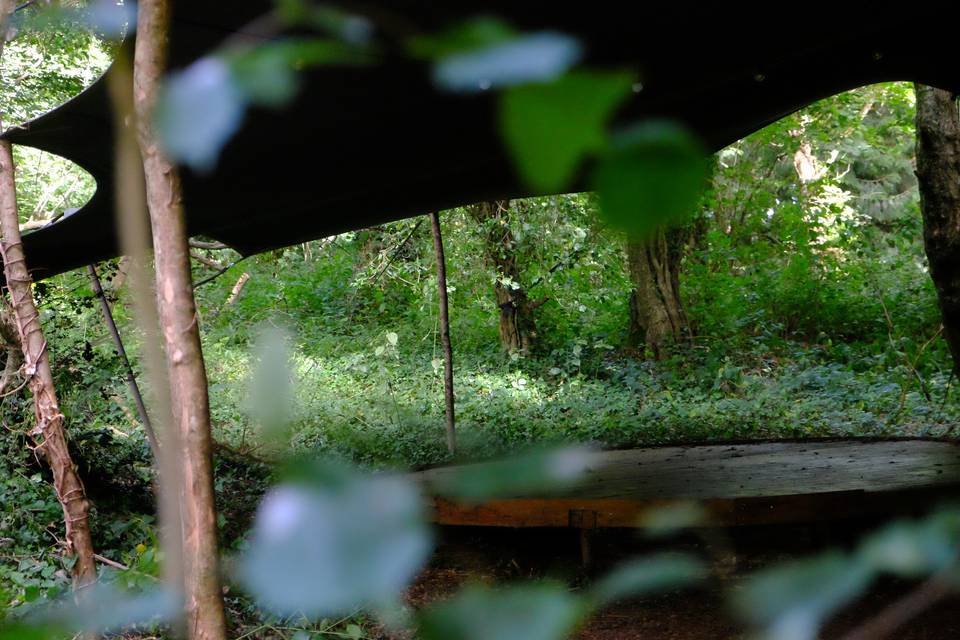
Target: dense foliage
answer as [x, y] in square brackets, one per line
[811, 309]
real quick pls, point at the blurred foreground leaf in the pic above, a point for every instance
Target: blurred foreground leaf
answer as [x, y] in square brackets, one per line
[669, 519]
[532, 612]
[270, 392]
[202, 106]
[338, 542]
[549, 128]
[105, 609]
[791, 601]
[915, 548]
[652, 176]
[199, 110]
[648, 575]
[537, 57]
[533, 472]
[470, 35]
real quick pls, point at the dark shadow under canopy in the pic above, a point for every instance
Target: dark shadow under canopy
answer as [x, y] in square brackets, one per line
[361, 146]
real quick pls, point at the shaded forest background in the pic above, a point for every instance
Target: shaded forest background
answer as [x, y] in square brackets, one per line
[807, 309]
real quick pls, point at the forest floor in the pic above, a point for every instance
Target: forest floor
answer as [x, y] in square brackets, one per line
[469, 555]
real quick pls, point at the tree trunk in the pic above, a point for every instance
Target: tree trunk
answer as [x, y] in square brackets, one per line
[203, 600]
[49, 434]
[656, 311]
[938, 174]
[517, 326]
[445, 333]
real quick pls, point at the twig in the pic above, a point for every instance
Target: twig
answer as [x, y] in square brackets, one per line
[205, 261]
[219, 273]
[110, 563]
[209, 246]
[122, 353]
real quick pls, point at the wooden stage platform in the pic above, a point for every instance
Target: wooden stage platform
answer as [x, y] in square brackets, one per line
[737, 484]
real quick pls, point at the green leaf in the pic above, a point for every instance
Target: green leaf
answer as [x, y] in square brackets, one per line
[914, 549]
[652, 176]
[648, 575]
[791, 601]
[354, 632]
[336, 542]
[469, 35]
[541, 471]
[268, 75]
[392, 338]
[538, 57]
[663, 521]
[199, 110]
[549, 128]
[330, 19]
[270, 390]
[533, 612]
[27, 632]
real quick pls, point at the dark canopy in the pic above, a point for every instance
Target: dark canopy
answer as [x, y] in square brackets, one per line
[361, 146]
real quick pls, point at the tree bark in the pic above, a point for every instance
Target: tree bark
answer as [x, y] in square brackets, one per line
[657, 316]
[518, 330]
[203, 600]
[49, 435]
[445, 333]
[938, 174]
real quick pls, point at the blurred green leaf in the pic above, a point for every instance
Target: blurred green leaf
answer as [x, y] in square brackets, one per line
[537, 471]
[470, 35]
[340, 541]
[107, 609]
[791, 601]
[537, 57]
[327, 18]
[270, 390]
[199, 110]
[549, 128]
[671, 518]
[653, 175]
[915, 549]
[19, 631]
[648, 575]
[532, 612]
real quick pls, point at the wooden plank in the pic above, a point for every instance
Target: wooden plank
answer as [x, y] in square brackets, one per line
[762, 483]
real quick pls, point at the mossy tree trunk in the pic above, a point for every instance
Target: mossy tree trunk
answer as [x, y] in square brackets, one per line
[657, 316]
[49, 435]
[518, 331]
[938, 173]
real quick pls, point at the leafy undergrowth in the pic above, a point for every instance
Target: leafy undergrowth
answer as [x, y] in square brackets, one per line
[384, 407]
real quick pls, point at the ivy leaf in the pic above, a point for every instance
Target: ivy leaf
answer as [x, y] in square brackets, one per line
[653, 175]
[549, 128]
[538, 57]
[544, 611]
